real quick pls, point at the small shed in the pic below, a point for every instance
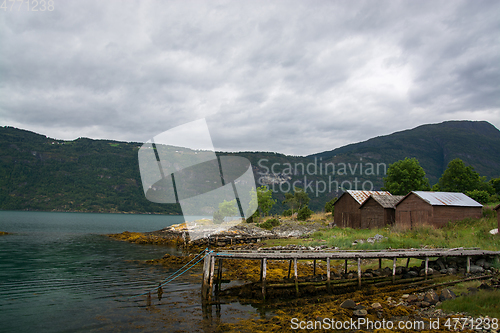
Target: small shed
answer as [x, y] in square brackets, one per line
[346, 213]
[421, 208]
[497, 208]
[379, 211]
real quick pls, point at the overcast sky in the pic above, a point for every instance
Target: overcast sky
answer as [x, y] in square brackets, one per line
[296, 77]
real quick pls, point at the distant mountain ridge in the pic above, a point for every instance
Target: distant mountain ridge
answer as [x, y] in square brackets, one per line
[40, 173]
[477, 143]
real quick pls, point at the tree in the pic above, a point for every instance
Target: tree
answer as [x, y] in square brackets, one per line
[405, 176]
[297, 200]
[461, 178]
[226, 209]
[263, 197]
[329, 205]
[495, 183]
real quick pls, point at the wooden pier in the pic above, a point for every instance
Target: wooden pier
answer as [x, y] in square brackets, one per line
[293, 256]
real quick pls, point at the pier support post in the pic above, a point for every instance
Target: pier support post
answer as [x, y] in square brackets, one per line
[219, 277]
[328, 274]
[359, 272]
[393, 269]
[211, 278]
[295, 275]
[264, 271]
[289, 268]
[426, 267]
[314, 267]
[408, 262]
[468, 264]
[206, 276]
[379, 263]
[345, 266]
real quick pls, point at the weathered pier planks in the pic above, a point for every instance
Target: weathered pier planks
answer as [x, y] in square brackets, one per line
[293, 256]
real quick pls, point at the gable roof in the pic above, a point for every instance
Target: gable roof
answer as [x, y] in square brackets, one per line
[445, 199]
[386, 201]
[361, 196]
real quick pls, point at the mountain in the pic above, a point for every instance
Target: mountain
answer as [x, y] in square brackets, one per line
[477, 143]
[41, 173]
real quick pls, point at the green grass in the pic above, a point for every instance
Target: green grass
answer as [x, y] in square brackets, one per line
[466, 233]
[484, 303]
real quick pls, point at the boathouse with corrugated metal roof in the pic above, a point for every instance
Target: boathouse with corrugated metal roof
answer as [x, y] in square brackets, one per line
[421, 208]
[347, 213]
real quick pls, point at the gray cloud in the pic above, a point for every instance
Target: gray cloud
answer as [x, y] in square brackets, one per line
[293, 77]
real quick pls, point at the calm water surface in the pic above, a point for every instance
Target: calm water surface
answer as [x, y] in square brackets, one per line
[58, 273]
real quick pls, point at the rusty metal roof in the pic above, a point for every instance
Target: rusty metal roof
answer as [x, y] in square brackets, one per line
[447, 199]
[361, 196]
[386, 201]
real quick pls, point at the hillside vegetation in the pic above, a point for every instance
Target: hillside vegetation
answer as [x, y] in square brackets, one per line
[40, 173]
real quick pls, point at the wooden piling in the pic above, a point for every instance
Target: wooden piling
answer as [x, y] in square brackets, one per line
[328, 274]
[264, 271]
[345, 266]
[426, 267]
[379, 263]
[296, 277]
[314, 267]
[206, 276]
[211, 278]
[359, 272]
[289, 268]
[219, 277]
[393, 269]
[468, 264]
[408, 262]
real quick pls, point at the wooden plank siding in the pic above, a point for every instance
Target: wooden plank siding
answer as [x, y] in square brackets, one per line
[346, 213]
[373, 215]
[413, 212]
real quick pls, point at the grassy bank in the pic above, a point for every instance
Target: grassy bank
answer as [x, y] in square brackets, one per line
[466, 233]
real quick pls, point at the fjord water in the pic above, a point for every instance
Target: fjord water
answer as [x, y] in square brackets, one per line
[59, 273]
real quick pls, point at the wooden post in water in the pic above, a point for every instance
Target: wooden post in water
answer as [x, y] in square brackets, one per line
[359, 272]
[393, 269]
[379, 263]
[211, 278]
[468, 264]
[219, 277]
[328, 274]
[314, 268]
[264, 269]
[296, 277]
[289, 268]
[426, 267]
[345, 266]
[204, 281]
[261, 269]
[408, 262]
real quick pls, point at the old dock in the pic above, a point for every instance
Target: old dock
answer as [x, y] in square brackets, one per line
[266, 256]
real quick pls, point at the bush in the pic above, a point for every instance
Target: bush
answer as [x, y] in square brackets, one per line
[218, 217]
[304, 213]
[287, 212]
[479, 195]
[269, 224]
[329, 205]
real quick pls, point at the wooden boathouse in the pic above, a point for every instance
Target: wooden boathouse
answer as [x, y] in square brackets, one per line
[379, 211]
[436, 209]
[347, 213]
[266, 258]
